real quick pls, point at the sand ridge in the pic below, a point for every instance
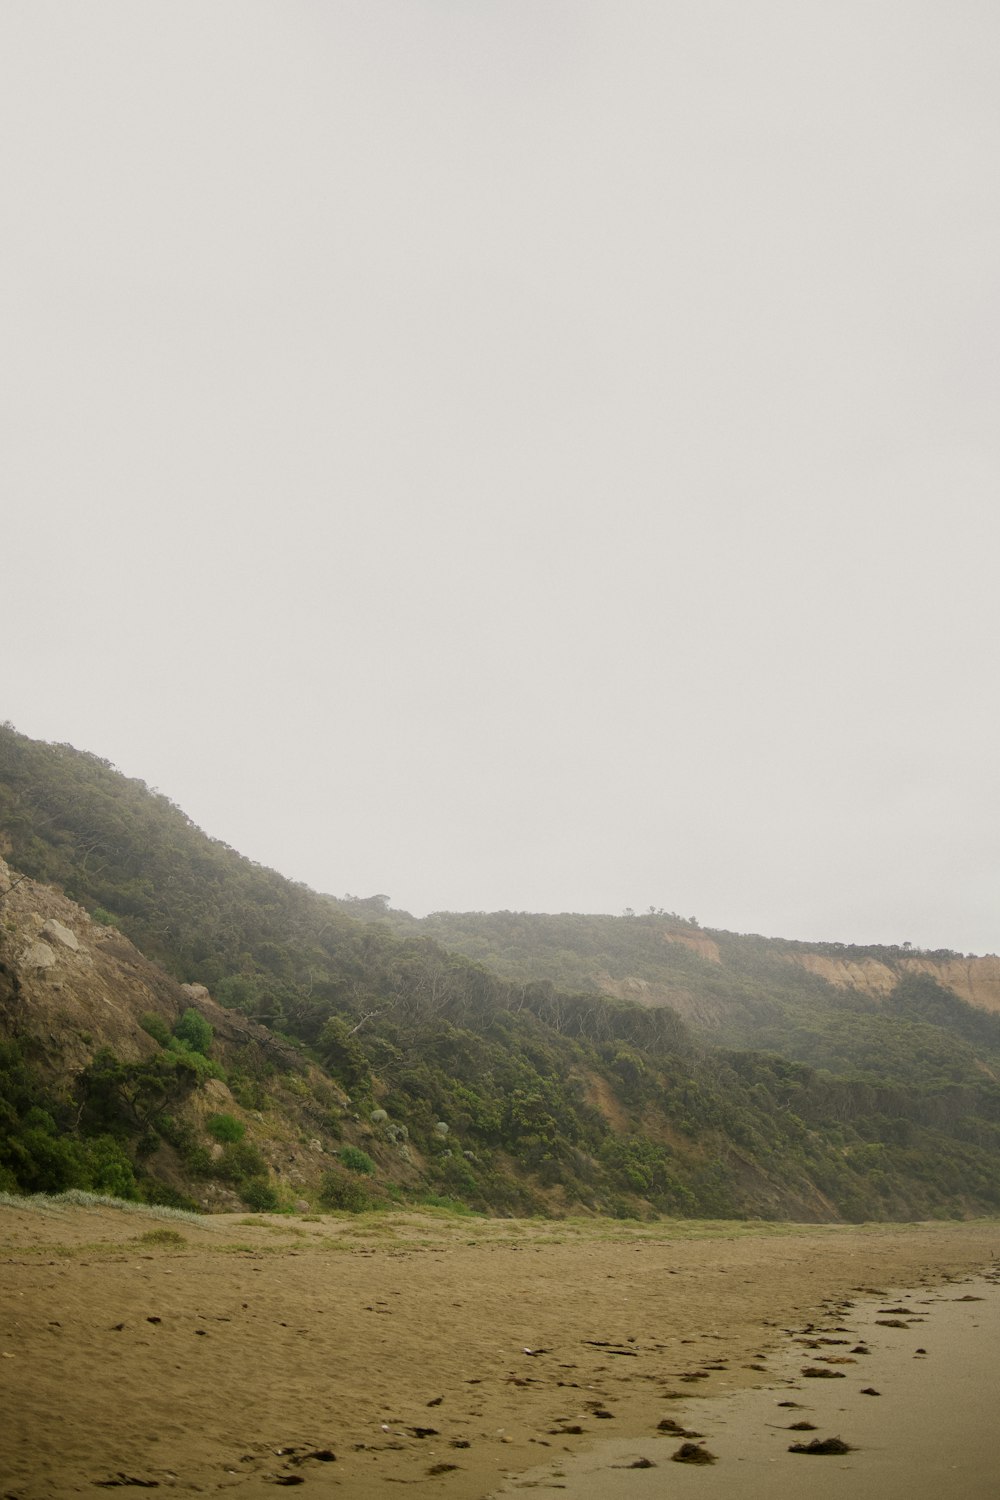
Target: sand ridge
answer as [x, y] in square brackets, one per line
[443, 1354]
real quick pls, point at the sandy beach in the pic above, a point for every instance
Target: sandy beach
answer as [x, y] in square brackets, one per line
[457, 1357]
[916, 1412]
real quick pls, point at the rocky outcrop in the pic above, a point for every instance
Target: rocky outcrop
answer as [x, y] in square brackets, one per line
[37, 956]
[55, 932]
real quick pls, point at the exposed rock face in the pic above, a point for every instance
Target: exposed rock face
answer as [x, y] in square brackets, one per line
[705, 947]
[55, 932]
[37, 956]
[73, 985]
[865, 974]
[70, 996]
[69, 986]
[700, 1010]
[975, 980]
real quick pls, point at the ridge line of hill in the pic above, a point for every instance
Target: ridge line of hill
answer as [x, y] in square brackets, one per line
[501, 1078]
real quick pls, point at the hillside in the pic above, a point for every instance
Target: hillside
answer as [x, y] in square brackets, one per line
[885, 1012]
[365, 1065]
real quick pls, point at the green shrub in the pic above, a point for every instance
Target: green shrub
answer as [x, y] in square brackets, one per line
[122, 1097]
[156, 1027]
[344, 1056]
[239, 1160]
[194, 1062]
[357, 1161]
[260, 1196]
[344, 1193]
[195, 1030]
[151, 1190]
[225, 1127]
[109, 1167]
[248, 1092]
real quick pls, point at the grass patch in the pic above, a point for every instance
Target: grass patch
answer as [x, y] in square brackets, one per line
[168, 1238]
[290, 1229]
[439, 1205]
[47, 1203]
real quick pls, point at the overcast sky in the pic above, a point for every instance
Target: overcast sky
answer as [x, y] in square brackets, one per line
[533, 454]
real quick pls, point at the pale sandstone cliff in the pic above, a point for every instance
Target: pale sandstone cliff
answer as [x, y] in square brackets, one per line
[975, 980]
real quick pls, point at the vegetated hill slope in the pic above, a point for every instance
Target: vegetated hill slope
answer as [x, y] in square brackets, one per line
[114, 1074]
[509, 1095]
[885, 1012]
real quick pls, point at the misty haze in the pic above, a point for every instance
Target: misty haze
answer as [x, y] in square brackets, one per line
[499, 793]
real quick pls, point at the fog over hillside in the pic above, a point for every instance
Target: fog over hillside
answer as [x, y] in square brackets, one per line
[182, 1025]
[518, 456]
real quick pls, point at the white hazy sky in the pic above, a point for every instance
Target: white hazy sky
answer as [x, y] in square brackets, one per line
[537, 454]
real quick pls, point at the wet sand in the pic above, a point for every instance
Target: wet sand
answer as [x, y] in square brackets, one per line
[929, 1432]
[447, 1355]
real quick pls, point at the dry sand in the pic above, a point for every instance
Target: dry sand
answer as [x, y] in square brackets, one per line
[243, 1356]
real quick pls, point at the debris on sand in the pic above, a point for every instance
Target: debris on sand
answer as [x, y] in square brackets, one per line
[821, 1445]
[869, 1390]
[814, 1372]
[121, 1479]
[637, 1463]
[802, 1427]
[693, 1453]
[891, 1323]
[667, 1424]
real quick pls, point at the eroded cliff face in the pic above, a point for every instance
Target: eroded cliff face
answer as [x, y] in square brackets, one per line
[70, 986]
[975, 980]
[699, 1010]
[705, 947]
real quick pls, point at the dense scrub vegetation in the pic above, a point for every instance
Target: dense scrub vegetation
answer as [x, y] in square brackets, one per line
[515, 1086]
[747, 995]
